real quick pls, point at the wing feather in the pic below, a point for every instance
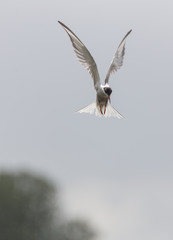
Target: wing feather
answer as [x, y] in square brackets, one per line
[83, 56]
[117, 60]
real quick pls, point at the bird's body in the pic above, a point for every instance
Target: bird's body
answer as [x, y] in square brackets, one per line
[102, 98]
[103, 92]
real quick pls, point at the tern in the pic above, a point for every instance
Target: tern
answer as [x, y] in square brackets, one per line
[102, 106]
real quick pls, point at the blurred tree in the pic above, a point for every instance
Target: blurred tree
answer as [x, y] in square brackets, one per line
[76, 230]
[29, 211]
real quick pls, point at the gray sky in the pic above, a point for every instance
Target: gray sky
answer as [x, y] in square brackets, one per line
[116, 173]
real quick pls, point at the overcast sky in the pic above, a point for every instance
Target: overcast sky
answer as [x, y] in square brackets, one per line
[115, 173]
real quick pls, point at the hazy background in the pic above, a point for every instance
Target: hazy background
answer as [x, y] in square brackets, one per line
[115, 173]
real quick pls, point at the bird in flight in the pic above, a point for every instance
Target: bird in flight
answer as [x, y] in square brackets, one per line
[102, 106]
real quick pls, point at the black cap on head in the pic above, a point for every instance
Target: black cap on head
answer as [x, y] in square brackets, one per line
[108, 90]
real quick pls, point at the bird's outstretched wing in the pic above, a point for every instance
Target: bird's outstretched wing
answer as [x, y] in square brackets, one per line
[117, 60]
[83, 56]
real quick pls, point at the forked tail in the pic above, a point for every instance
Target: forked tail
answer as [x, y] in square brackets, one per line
[92, 109]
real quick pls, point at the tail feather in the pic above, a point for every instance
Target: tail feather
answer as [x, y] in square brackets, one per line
[92, 109]
[112, 112]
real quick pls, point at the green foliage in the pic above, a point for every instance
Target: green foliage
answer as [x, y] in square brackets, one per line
[29, 211]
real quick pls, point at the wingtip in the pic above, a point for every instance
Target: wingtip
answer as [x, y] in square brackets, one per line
[62, 24]
[59, 22]
[129, 31]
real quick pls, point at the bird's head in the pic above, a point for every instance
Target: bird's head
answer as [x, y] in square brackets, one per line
[108, 91]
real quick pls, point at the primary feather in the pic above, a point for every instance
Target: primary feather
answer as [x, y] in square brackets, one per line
[84, 56]
[117, 60]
